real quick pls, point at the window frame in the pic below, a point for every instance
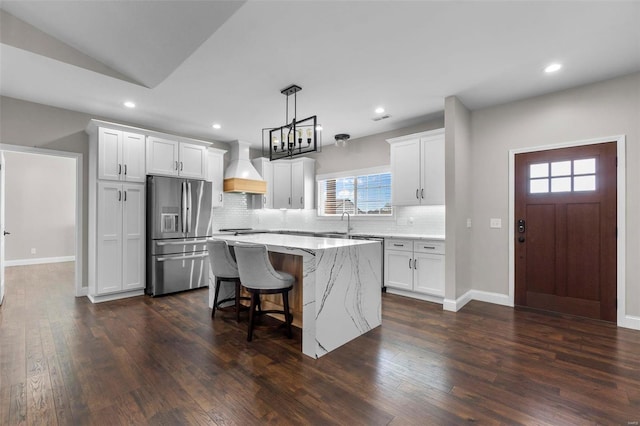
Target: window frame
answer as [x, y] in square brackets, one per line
[354, 174]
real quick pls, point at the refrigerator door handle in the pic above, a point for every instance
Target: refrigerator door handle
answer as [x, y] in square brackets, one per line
[189, 207]
[183, 208]
[180, 257]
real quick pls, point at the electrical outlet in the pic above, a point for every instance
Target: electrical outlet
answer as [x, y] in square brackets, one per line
[33, 251]
[495, 223]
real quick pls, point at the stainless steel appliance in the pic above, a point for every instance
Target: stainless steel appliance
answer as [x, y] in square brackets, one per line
[178, 225]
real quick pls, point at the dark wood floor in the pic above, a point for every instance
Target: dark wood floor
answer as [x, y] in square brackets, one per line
[164, 361]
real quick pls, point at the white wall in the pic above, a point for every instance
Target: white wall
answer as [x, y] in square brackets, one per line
[603, 109]
[39, 206]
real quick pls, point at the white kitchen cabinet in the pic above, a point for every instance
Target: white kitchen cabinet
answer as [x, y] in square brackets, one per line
[417, 169]
[121, 155]
[294, 183]
[414, 267]
[120, 238]
[172, 158]
[216, 176]
[265, 168]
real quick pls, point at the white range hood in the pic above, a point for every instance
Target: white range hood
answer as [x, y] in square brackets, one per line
[240, 175]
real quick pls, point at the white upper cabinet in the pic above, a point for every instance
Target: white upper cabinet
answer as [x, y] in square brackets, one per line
[216, 176]
[294, 183]
[172, 158]
[417, 169]
[121, 155]
[265, 168]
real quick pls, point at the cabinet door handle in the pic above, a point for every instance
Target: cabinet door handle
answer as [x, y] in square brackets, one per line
[119, 169]
[125, 169]
[415, 263]
[220, 197]
[264, 199]
[181, 166]
[176, 166]
[289, 200]
[422, 193]
[429, 247]
[302, 200]
[409, 263]
[417, 193]
[125, 195]
[119, 195]
[398, 245]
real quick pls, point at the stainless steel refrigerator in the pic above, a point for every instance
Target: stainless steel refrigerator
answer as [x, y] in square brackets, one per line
[178, 225]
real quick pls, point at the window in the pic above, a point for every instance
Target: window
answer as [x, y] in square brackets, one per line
[563, 176]
[360, 194]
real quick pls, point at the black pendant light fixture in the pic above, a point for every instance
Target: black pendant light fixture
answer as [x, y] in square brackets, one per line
[341, 139]
[296, 137]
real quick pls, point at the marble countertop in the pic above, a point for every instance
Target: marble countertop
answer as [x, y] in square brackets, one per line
[437, 237]
[295, 241]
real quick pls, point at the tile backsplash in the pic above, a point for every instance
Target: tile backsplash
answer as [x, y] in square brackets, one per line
[410, 220]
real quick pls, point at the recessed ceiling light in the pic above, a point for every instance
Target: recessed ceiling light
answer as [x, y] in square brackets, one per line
[216, 126]
[552, 68]
[129, 104]
[379, 110]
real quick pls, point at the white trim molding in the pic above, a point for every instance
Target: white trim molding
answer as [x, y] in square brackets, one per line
[623, 320]
[482, 296]
[39, 261]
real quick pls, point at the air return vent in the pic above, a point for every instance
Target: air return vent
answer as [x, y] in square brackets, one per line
[382, 117]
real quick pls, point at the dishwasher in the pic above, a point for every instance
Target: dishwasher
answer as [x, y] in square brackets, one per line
[375, 238]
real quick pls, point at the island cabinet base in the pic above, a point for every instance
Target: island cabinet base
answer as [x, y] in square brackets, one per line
[337, 294]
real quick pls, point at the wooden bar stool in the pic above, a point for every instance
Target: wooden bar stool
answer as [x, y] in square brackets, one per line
[259, 277]
[225, 269]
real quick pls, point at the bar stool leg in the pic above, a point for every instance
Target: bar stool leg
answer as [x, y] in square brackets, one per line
[287, 314]
[237, 300]
[215, 299]
[255, 298]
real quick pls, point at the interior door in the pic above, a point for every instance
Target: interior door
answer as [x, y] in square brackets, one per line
[2, 227]
[565, 207]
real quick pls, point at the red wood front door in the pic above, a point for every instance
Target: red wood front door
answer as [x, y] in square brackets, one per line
[565, 237]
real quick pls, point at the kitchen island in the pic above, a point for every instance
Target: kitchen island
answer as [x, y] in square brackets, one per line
[340, 282]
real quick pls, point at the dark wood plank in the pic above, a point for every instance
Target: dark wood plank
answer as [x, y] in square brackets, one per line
[165, 361]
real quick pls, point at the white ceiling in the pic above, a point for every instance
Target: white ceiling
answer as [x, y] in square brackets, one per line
[200, 62]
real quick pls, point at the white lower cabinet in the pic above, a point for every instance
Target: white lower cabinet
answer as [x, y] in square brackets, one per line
[120, 240]
[414, 266]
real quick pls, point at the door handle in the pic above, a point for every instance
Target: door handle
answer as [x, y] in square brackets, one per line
[181, 166]
[409, 263]
[417, 192]
[176, 165]
[521, 239]
[421, 191]
[221, 197]
[125, 169]
[125, 195]
[521, 226]
[6, 233]
[119, 169]
[119, 195]
[415, 263]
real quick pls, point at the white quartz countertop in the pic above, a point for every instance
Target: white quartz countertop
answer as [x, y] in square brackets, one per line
[403, 236]
[294, 241]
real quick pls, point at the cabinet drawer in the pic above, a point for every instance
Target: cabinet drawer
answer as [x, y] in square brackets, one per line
[435, 247]
[404, 245]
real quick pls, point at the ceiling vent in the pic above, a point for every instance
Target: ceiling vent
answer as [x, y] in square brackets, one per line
[382, 117]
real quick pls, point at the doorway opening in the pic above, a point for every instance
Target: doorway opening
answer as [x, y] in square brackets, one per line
[43, 208]
[567, 228]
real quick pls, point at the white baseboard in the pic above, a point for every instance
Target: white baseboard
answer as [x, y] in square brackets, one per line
[482, 296]
[411, 294]
[630, 321]
[115, 296]
[38, 261]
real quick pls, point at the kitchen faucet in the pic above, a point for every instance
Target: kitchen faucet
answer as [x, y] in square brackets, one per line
[349, 228]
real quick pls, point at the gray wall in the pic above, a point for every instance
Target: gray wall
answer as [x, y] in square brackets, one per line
[603, 109]
[39, 206]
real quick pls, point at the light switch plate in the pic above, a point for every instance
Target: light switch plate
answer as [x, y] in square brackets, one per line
[495, 222]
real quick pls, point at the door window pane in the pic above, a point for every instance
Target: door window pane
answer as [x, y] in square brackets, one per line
[538, 186]
[562, 184]
[560, 168]
[584, 183]
[584, 167]
[539, 170]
